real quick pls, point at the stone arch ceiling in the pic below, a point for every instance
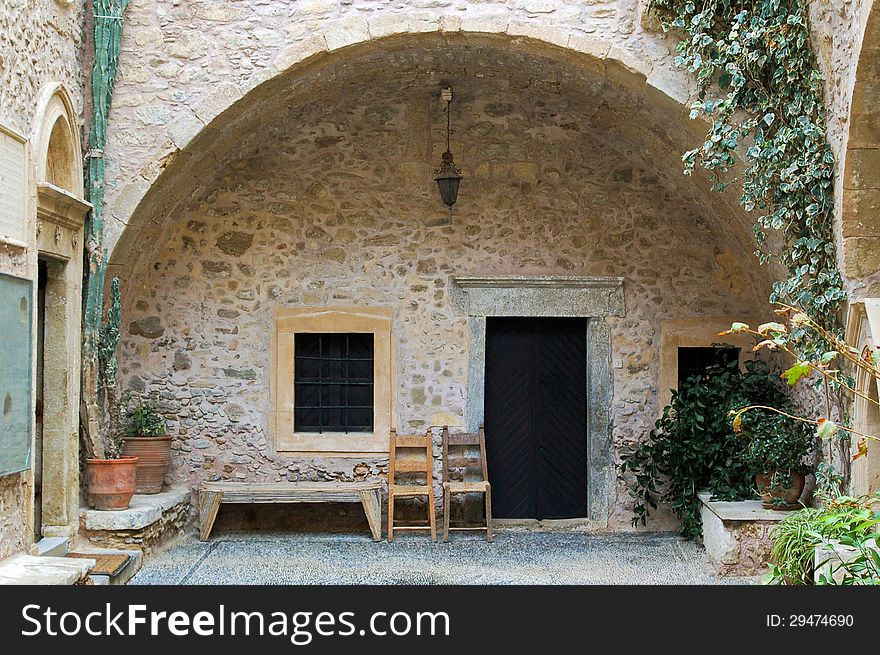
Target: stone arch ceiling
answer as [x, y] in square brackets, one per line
[507, 100]
[861, 178]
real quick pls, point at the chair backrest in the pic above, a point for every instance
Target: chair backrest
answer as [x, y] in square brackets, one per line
[416, 451]
[465, 450]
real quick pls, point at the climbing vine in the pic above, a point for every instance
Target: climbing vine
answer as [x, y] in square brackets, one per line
[761, 90]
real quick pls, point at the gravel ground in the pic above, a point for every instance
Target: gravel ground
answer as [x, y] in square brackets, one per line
[514, 558]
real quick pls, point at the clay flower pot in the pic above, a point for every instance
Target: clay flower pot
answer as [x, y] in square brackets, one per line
[111, 482]
[782, 493]
[154, 458]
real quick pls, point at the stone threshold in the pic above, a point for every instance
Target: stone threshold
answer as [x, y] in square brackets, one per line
[143, 511]
[550, 525]
[43, 570]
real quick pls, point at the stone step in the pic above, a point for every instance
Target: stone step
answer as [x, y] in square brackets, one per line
[36, 570]
[143, 510]
[51, 547]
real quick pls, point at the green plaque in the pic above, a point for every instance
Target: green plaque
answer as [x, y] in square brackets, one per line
[16, 407]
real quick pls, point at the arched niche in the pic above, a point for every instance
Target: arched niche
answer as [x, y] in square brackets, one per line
[57, 144]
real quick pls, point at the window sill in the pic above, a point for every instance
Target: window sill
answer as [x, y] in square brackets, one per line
[350, 444]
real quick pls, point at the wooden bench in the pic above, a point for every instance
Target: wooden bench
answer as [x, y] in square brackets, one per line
[212, 494]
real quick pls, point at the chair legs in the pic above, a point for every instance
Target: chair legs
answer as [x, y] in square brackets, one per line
[390, 516]
[445, 514]
[432, 516]
[432, 519]
[488, 499]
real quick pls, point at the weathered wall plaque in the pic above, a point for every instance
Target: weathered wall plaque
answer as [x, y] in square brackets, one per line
[16, 298]
[12, 185]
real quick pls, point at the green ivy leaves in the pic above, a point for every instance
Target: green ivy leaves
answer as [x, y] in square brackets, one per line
[762, 90]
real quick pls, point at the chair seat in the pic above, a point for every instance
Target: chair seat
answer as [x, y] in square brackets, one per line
[413, 490]
[465, 487]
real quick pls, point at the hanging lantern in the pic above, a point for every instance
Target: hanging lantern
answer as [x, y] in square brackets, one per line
[448, 177]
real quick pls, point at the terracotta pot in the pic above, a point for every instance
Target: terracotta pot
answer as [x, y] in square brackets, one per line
[154, 458]
[111, 482]
[778, 497]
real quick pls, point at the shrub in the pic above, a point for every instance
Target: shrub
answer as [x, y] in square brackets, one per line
[693, 447]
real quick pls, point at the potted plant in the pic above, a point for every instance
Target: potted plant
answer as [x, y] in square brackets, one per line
[146, 439]
[777, 449]
[111, 478]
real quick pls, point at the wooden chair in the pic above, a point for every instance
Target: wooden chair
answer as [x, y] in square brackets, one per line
[416, 458]
[466, 451]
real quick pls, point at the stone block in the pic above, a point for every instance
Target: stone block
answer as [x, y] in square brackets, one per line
[184, 129]
[537, 6]
[861, 256]
[51, 547]
[129, 198]
[300, 51]
[860, 213]
[217, 102]
[34, 570]
[534, 30]
[495, 22]
[346, 32]
[736, 535]
[862, 169]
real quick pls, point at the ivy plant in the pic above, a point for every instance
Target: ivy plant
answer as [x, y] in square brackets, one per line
[693, 447]
[761, 91]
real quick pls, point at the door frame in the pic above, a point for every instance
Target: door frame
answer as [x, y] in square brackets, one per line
[594, 298]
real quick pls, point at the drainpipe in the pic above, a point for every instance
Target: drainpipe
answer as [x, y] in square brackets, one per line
[107, 23]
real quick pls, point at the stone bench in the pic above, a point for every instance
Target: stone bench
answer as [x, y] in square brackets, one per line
[212, 494]
[736, 535]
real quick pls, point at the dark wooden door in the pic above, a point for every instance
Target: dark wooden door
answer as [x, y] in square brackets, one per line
[536, 416]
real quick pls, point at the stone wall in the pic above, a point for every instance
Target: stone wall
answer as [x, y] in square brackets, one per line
[332, 203]
[39, 45]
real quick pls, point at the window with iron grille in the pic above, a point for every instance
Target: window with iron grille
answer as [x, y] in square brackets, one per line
[333, 382]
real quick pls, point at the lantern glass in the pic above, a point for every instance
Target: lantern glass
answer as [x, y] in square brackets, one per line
[448, 188]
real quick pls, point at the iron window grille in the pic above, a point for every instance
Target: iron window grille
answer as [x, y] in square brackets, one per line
[333, 382]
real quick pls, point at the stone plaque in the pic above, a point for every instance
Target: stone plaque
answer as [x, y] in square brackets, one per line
[15, 374]
[12, 185]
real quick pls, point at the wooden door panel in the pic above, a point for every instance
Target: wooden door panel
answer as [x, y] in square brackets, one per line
[535, 416]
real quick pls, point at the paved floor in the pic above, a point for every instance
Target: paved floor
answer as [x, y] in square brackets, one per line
[514, 558]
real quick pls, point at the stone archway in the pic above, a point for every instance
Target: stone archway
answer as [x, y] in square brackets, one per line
[61, 212]
[860, 226]
[229, 109]
[315, 189]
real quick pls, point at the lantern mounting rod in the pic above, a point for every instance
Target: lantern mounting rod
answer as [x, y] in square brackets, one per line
[448, 177]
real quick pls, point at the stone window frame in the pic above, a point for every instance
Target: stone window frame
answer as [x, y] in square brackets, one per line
[332, 319]
[696, 332]
[594, 298]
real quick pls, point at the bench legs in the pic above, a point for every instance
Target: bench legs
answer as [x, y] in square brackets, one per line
[372, 508]
[209, 504]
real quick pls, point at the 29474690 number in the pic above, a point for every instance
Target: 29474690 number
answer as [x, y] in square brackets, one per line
[810, 621]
